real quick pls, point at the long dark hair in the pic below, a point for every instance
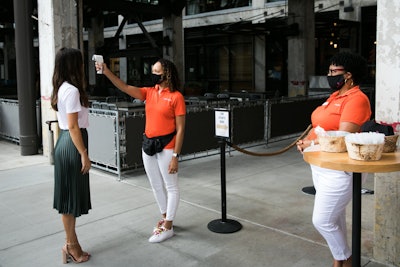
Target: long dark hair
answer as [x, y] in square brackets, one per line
[170, 74]
[68, 67]
[353, 63]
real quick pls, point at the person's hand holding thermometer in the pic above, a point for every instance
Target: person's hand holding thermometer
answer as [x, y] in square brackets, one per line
[98, 59]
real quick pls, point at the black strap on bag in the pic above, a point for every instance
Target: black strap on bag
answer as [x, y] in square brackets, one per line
[156, 144]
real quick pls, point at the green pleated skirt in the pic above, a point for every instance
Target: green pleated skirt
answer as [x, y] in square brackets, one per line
[71, 187]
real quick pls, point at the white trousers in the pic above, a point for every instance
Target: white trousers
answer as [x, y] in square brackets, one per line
[164, 185]
[333, 192]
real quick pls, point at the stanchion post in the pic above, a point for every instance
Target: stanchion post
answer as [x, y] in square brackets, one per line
[223, 179]
[51, 142]
[223, 225]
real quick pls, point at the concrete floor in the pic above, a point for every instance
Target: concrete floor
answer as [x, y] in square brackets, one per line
[263, 194]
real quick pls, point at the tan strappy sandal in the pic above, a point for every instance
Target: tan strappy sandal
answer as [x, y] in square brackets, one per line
[66, 254]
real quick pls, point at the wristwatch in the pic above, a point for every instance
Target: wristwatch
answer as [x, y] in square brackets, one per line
[176, 155]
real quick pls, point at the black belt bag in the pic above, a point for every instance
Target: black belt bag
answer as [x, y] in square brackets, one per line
[156, 144]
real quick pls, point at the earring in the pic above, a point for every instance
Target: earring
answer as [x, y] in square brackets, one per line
[345, 80]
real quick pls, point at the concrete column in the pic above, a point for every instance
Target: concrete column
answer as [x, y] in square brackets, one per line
[123, 61]
[70, 31]
[173, 29]
[25, 77]
[79, 23]
[259, 55]
[57, 22]
[95, 40]
[301, 48]
[259, 63]
[387, 185]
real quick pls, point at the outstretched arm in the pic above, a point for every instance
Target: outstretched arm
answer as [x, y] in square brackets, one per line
[120, 84]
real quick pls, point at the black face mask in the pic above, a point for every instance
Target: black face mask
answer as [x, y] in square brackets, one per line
[336, 82]
[156, 79]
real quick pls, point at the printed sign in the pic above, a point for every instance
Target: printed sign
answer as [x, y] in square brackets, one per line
[222, 123]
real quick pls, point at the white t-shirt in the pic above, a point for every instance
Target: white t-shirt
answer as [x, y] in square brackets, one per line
[68, 102]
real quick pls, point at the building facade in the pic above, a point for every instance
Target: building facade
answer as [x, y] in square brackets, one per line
[235, 46]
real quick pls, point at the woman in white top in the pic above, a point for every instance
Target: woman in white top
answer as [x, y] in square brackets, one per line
[71, 160]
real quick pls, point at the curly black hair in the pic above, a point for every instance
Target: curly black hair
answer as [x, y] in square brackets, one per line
[170, 74]
[353, 63]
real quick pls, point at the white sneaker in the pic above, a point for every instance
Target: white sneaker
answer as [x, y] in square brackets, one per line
[160, 234]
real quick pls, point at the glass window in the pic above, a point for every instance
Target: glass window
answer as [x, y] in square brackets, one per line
[201, 6]
[219, 63]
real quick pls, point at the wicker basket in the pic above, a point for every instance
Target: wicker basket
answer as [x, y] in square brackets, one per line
[390, 143]
[365, 150]
[333, 141]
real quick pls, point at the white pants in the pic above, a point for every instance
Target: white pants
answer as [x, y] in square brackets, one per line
[164, 185]
[333, 192]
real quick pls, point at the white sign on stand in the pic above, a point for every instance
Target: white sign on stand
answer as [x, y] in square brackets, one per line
[222, 123]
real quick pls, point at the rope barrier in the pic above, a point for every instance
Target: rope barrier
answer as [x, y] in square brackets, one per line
[271, 153]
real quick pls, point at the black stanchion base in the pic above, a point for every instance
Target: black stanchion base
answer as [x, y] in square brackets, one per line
[229, 226]
[308, 190]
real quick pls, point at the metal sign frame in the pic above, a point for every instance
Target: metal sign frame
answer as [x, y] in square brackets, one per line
[222, 123]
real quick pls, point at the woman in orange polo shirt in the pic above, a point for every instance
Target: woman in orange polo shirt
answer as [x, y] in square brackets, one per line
[165, 121]
[346, 109]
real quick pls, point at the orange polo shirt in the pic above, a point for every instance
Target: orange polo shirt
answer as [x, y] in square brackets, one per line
[353, 106]
[161, 110]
